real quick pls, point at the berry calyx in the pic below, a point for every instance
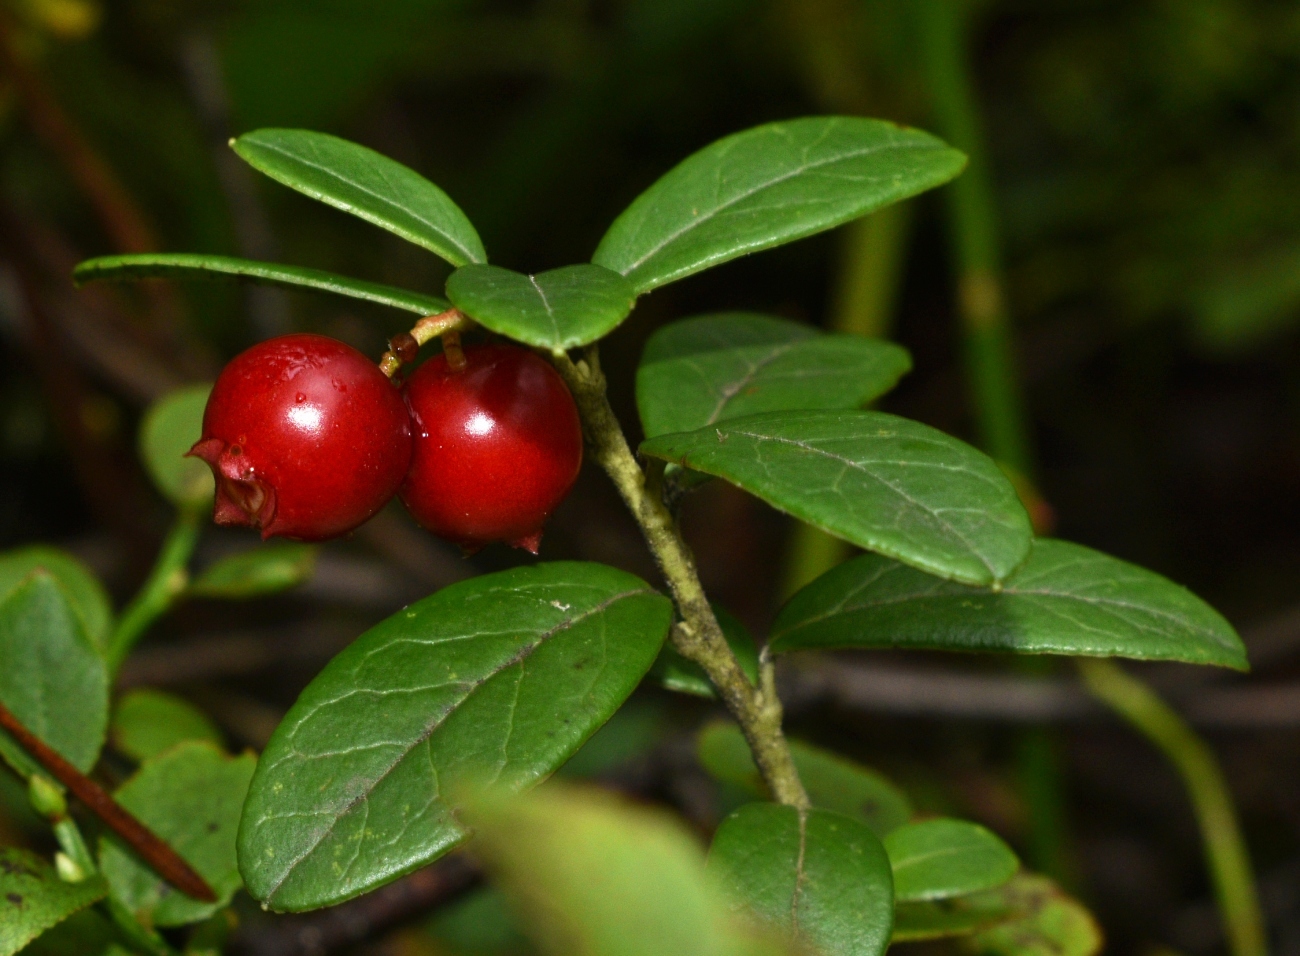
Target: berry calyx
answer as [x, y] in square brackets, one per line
[306, 438]
[498, 445]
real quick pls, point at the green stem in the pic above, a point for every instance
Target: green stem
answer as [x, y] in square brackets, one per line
[696, 636]
[972, 217]
[166, 582]
[1225, 851]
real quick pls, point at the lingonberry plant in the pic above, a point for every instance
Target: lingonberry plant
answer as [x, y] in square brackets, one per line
[423, 734]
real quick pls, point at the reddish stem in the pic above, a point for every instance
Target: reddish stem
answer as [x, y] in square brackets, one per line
[163, 859]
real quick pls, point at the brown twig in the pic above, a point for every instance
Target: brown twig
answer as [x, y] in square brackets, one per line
[162, 858]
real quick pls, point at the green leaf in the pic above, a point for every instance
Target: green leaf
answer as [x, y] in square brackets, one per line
[189, 796]
[589, 875]
[185, 265]
[507, 674]
[941, 858]
[881, 482]
[833, 782]
[1050, 923]
[675, 672]
[265, 570]
[767, 186]
[818, 876]
[87, 933]
[916, 922]
[53, 679]
[79, 584]
[559, 309]
[366, 184]
[712, 368]
[169, 430]
[33, 898]
[1065, 599]
[148, 722]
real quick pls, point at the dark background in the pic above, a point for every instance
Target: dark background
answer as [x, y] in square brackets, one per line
[1146, 161]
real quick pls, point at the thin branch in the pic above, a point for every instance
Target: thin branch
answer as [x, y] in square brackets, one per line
[162, 858]
[697, 637]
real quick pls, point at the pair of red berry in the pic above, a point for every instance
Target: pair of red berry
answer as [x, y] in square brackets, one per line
[307, 439]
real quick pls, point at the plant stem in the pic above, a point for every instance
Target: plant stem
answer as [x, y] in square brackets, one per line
[696, 636]
[1226, 855]
[973, 225]
[162, 858]
[166, 582]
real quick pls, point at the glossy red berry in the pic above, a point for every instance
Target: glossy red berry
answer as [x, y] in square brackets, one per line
[497, 446]
[306, 438]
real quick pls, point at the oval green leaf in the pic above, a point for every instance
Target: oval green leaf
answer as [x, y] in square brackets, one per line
[820, 877]
[1048, 922]
[54, 679]
[148, 722]
[766, 186]
[266, 570]
[833, 782]
[80, 586]
[1065, 599]
[185, 265]
[169, 430]
[711, 368]
[675, 672]
[559, 309]
[505, 674]
[589, 875]
[940, 858]
[366, 184]
[881, 482]
[189, 796]
[33, 898]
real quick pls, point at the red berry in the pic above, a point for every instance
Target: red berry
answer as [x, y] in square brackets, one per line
[306, 437]
[497, 446]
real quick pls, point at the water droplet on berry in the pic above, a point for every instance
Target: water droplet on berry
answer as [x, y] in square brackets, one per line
[300, 397]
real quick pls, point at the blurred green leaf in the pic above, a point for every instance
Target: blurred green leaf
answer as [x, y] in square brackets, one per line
[632, 732]
[766, 186]
[85, 933]
[266, 570]
[818, 876]
[1065, 599]
[916, 922]
[884, 483]
[477, 924]
[939, 858]
[675, 672]
[148, 722]
[80, 586]
[53, 678]
[1050, 923]
[589, 875]
[367, 184]
[716, 367]
[33, 898]
[186, 265]
[505, 674]
[833, 782]
[190, 797]
[559, 309]
[169, 430]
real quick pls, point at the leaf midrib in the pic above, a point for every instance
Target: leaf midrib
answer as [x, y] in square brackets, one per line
[892, 487]
[522, 655]
[722, 207]
[420, 240]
